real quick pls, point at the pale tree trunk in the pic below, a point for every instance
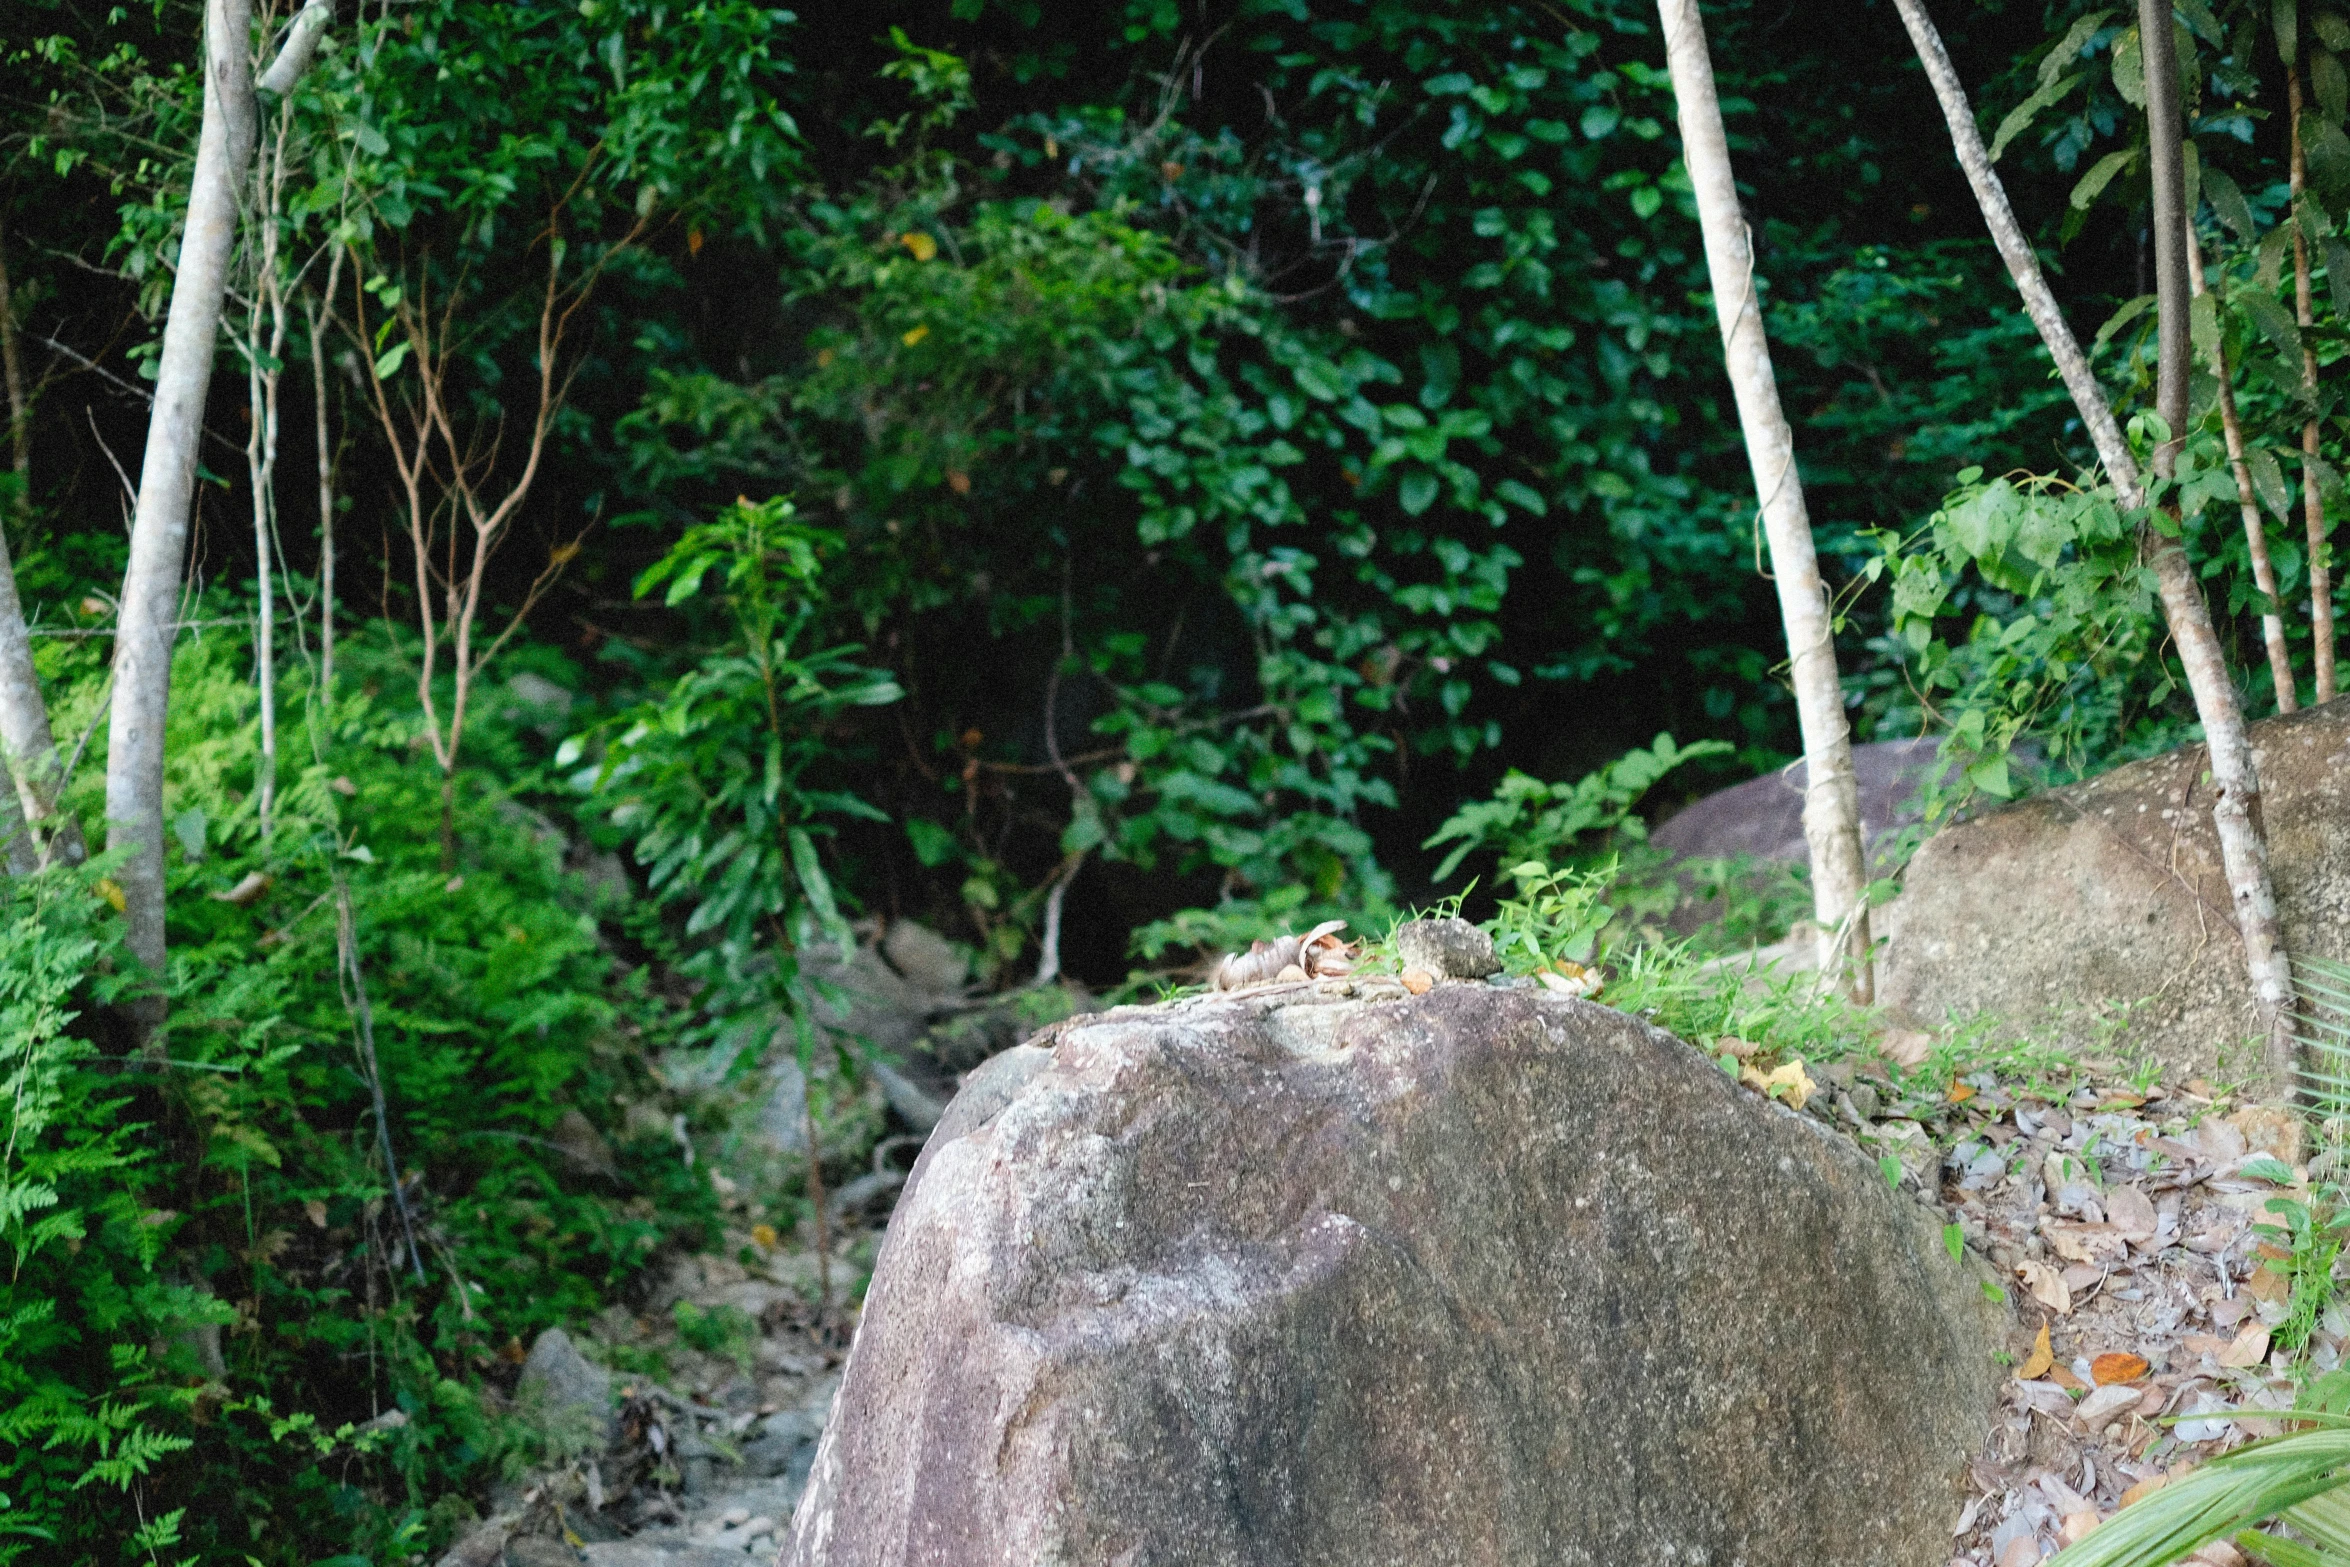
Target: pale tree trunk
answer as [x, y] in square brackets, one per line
[1831, 802]
[145, 619]
[2313, 506]
[28, 752]
[2236, 810]
[2264, 572]
[264, 371]
[315, 312]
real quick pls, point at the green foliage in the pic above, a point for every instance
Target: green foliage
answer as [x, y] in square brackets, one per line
[1527, 819]
[1556, 916]
[235, 1196]
[2057, 631]
[711, 780]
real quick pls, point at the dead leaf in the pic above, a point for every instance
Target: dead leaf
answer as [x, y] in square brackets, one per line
[2082, 1242]
[2131, 1213]
[315, 1211]
[2078, 1526]
[1417, 981]
[2116, 1367]
[1732, 1045]
[2083, 1275]
[2063, 1377]
[921, 244]
[1908, 1048]
[2043, 1356]
[764, 1236]
[111, 891]
[2046, 1285]
[1960, 1093]
[1318, 954]
[1791, 1084]
[2144, 1488]
[2249, 1349]
[2268, 1284]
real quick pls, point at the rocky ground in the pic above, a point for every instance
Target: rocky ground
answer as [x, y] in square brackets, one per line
[2132, 1219]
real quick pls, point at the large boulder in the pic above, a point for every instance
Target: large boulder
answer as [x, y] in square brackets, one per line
[1482, 1276]
[2104, 903]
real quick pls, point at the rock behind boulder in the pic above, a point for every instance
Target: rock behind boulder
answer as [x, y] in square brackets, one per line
[2107, 898]
[1484, 1276]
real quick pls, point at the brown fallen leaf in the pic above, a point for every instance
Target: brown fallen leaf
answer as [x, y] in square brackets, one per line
[2144, 1488]
[2063, 1377]
[1732, 1045]
[2078, 1526]
[2268, 1284]
[1908, 1047]
[2249, 1349]
[1417, 981]
[2036, 1364]
[2204, 1343]
[2131, 1213]
[2083, 1242]
[2046, 1285]
[2115, 1366]
[1960, 1093]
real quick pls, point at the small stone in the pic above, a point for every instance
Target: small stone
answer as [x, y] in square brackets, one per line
[1449, 948]
[1417, 981]
[566, 1395]
[1866, 1103]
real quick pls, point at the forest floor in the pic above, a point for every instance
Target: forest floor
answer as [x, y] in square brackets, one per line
[2150, 1279]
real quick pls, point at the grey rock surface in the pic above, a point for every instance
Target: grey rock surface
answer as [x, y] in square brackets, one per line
[1478, 1277]
[535, 1550]
[1762, 818]
[660, 1553]
[565, 1394]
[1449, 948]
[2109, 896]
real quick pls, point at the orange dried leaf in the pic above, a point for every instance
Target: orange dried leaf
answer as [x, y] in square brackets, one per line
[2043, 1356]
[2118, 1367]
[1960, 1093]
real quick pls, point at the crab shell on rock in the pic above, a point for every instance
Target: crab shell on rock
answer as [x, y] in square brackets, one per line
[1318, 954]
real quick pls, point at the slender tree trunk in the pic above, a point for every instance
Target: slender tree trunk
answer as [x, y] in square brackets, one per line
[29, 752]
[145, 620]
[2236, 811]
[315, 313]
[1831, 803]
[167, 481]
[2264, 572]
[20, 413]
[2313, 506]
[260, 471]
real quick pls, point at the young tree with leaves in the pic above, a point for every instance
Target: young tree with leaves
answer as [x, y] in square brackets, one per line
[1831, 800]
[2236, 808]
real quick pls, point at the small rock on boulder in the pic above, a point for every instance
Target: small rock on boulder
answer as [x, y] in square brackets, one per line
[1449, 948]
[1483, 1276]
